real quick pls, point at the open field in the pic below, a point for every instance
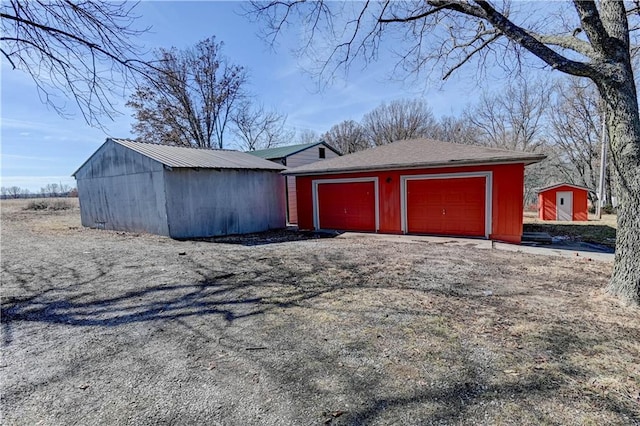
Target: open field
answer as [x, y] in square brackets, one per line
[102, 327]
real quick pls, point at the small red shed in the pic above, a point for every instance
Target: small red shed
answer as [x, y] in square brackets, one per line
[417, 186]
[563, 201]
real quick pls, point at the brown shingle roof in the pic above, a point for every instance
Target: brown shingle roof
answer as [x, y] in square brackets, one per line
[416, 153]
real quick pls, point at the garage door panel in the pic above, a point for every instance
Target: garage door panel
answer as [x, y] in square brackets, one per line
[347, 206]
[454, 206]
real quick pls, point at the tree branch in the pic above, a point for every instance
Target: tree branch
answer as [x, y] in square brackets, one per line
[592, 25]
[520, 36]
[566, 42]
[411, 17]
[470, 55]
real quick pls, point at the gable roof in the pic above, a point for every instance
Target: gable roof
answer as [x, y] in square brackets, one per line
[188, 157]
[286, 151]
[557, 185]
[416, 153]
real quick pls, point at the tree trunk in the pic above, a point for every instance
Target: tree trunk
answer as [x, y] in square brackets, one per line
[608, 183]
[623, 124]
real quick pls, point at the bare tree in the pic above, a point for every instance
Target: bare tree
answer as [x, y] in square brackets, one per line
[347, 137]
[593, 42]
[78, 50]
[576, 119]
[457, 130]
[51, 190]
[513, 118]
[305, 136]
[13, 191]
[257, 128]
[189, 97]
[398, 120]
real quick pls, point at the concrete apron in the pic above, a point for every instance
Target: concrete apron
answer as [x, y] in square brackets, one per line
[481, 244]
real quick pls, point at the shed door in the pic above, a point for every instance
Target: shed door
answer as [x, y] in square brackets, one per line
[564, 205]
[348, 206]
[454, 206]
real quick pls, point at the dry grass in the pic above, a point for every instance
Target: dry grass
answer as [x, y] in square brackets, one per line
[599, 231]
[102, 327]
[606, 220]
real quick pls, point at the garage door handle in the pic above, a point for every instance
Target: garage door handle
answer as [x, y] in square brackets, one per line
[444, 212]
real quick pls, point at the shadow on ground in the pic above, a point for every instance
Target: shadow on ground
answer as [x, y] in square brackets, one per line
[602, 235]
[330, 337]
[275, 236]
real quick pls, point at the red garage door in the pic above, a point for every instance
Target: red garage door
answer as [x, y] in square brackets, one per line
[446, 206]
[347, 206]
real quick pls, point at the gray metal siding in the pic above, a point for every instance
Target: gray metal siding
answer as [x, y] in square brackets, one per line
[122, 190]
[211, 202]
[113, 159]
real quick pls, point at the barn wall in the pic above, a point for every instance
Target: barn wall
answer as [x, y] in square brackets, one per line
[203, 203]
[507, 198]
[547, 203]
[122, 190]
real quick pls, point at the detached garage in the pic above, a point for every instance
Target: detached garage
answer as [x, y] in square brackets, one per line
[179, 192]
[417, 186]
[563, 201]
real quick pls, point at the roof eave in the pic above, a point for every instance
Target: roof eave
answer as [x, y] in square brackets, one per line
[91, 156]
[300, 150]
[558, 185]
[516, 160]
[264, 169]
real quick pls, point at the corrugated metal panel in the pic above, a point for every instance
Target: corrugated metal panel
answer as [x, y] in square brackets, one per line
[178, 156]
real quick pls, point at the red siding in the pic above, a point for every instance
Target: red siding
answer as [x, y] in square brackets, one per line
[508, 200]
[506, 203]
[547, 203]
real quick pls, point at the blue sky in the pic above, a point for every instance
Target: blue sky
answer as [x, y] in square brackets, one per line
[40, 147]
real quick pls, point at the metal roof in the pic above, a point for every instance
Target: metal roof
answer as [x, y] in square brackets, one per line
[285, 151]
[416, 153]
[180, 156]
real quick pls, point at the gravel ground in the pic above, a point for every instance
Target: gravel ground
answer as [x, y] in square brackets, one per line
[111, 328]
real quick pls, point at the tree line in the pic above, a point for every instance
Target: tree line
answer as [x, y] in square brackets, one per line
[50, 190]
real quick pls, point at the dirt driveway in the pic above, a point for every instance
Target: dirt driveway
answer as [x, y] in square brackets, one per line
[110, 328]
